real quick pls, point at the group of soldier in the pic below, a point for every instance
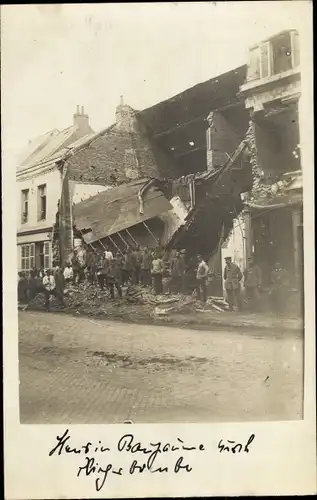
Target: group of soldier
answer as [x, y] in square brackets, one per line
[147, 267]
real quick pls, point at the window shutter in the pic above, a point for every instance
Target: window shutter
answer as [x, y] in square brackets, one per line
[47, 255]
[38, 203]
[265, 60]
[32, 256]
[254, 64]
[295, 49]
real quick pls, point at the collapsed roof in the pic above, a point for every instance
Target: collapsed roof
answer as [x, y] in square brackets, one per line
[218, 203]
[116, 209]
[179, 125]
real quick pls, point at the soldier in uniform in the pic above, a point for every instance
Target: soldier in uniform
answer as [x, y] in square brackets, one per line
[233, 276]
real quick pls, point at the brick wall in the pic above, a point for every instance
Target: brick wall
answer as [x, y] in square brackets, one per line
[120, 155]
[225, 138]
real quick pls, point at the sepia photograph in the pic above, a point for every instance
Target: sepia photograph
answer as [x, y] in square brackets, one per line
[159, 214]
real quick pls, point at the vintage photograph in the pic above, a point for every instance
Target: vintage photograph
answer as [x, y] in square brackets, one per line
[159, 231]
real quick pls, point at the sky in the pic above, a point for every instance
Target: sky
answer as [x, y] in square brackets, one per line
[55, 57]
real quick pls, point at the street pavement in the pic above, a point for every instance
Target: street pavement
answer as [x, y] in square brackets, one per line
[81, 370]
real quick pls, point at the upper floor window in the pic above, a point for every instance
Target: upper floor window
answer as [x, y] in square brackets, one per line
[275, 56]
[281, 47]
[41, 202]
[25, 205]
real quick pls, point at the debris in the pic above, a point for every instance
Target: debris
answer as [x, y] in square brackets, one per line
[218, 303]
[214, 306]
[182, 304]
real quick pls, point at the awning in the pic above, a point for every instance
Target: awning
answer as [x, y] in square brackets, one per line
[116, 209]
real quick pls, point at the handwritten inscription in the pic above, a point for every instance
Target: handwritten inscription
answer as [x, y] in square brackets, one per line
[145, 457]
[234, 447]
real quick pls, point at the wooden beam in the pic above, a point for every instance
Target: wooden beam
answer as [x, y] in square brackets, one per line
[114, 244]
[170, 130]
[133, 239]
[121, 237]
[149, 230]
[198, 119]
[177, 155]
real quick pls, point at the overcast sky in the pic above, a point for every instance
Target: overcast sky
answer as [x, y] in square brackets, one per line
[57, 56]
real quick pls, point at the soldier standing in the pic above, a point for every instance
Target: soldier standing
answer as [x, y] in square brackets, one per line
[232, 276]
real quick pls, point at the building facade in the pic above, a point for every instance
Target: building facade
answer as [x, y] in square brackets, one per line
[38, 184]
[272, 224]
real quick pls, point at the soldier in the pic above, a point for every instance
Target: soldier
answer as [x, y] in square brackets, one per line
[146, 267]
[126, 269]
[101, 271]
[278, 292]
[157, 269]
[177, 272]
[136, 263]
[91, 265]
[252, 281]
[114, 274]
[232, 276]
[201, 276]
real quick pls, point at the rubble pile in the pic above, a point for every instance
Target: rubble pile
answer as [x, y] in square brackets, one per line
[137, 303]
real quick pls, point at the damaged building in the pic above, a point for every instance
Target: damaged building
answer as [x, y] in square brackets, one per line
[273, 219]
[121, 219]
[188, 156]
[215, 169]
[194, 157]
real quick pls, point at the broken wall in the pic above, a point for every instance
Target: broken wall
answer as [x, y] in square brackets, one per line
[276, 138]
[118, 155]
[226, 130]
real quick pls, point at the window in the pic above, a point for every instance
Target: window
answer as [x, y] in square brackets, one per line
[281, 53]
[277, 55]
[41, 194]
[27, 257]
[265, 60]
[25, 205]
[254, 64]
[47, 255]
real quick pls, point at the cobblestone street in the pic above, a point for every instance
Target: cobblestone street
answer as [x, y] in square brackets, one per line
[78, 370]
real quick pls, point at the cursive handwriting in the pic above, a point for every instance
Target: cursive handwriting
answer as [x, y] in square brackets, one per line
[127, 443]
[61, 446]
[144, 456]
[234, 447]
[92, 467]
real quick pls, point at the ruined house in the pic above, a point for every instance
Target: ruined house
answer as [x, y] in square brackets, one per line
[274, 216]
[186, 153]
[194, 153]
[174, 142]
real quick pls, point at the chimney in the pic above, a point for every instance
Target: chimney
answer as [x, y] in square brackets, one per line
[81, 120]
[125, 116]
